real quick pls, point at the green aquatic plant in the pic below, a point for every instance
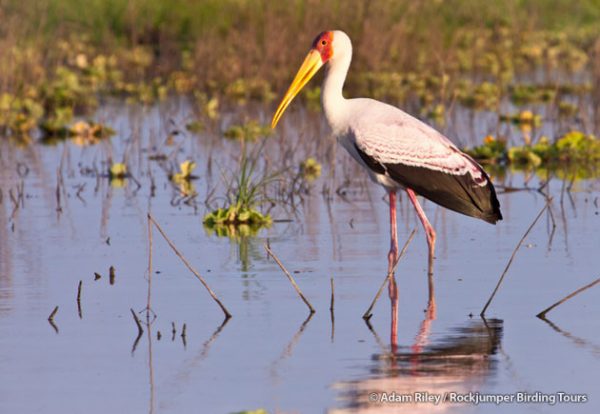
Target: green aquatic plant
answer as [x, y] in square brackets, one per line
[183, 178]
[310, 169]
[312, 97]
[258, 411]
[236, 215]
[437, 112]
[250, 131]
[185, 172]
[84, 133]
[194, 127]
[567, 109]
[391, 86]
[242, 90]
[18, 116]
[481, 96]
[208, 106]
[246, 194]
[67, 89]
[117, 174]
[574, 147]
[522, 118]
[524, 155]
[117, 170]
[492, 150]
[529, 93]
[56, 123]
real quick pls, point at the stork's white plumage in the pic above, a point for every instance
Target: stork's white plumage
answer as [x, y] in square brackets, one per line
[398, 150]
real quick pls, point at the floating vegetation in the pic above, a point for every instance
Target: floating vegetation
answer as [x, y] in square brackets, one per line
[258, 411]
[117, 174]
[383, 85]
[243, 90]
[195, 127]
[237, 215]
[574, 147]
[18, 116]
[209, 107]
[89, 133]
[117, 170]
[523, 118]
[185, 172]
[184, 177]
[250, 131]
[567, 109]
[247, 191]
[528, 93]
[491, 151]
[485, 95]
[310, 169]
[312, 97]
[437, 113]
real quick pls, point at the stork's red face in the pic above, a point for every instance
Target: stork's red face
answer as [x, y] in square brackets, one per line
[319, 54]
[322, 44]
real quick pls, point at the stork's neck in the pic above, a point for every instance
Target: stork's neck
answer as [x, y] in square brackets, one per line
[334, 103]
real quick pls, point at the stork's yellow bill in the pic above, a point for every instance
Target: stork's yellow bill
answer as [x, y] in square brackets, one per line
[320, 53]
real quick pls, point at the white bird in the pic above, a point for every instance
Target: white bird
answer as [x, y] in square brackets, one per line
[398, 151]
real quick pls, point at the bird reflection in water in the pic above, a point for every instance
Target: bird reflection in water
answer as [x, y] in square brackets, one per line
[458, 362]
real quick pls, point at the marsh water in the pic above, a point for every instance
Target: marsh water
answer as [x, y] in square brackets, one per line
[62, 221]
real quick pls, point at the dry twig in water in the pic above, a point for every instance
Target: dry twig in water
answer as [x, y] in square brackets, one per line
[137, 322]
[79, 287]
[51, 319]
[549, 200]
[189, 266]
[291, 279]
[542, 314]
[367, 315]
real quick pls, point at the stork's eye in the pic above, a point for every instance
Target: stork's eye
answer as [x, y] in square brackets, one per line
[323, 42]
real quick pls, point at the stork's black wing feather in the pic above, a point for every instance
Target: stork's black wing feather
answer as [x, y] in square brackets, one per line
[459, 193]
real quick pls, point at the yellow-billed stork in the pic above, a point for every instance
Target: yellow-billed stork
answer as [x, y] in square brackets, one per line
[397, 150]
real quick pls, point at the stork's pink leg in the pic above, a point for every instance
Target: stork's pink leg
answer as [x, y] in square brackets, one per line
[393, 254]
[430, 233]
[392, 257]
